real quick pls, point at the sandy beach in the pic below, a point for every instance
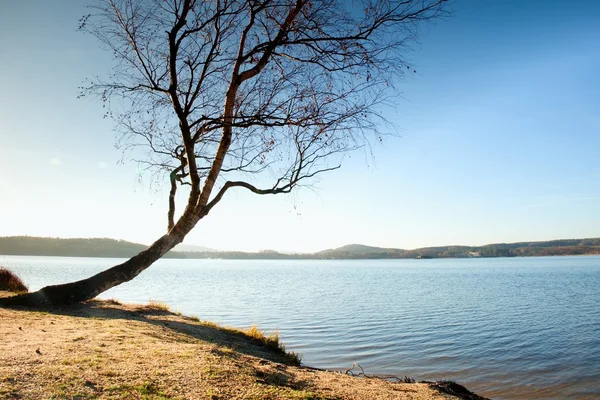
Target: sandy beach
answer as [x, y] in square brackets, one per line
[108, 350]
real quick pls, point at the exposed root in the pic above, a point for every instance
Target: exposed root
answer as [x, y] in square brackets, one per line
[391, 378]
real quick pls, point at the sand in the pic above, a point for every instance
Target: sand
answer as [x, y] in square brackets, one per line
[107, 350]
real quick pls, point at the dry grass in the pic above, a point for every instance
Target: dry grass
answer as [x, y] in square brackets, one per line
[157, 305]
[11, 282]
[104, 350]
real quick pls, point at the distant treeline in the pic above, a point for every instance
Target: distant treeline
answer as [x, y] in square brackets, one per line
[520, 249]
[97, 247]
[37, 246]
[104, 247]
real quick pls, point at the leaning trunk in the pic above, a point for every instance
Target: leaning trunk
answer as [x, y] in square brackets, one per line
[86, 289]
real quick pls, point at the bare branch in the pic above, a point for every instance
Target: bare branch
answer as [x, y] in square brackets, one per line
[213, 93]
[276, 189]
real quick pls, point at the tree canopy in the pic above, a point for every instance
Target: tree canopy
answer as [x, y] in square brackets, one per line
[219, 91]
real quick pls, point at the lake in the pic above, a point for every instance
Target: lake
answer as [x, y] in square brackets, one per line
[506, 328]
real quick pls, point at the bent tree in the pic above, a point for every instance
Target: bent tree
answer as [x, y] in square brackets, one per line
[228, 94]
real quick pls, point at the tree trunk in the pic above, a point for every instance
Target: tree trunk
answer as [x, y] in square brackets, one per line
[86, 289]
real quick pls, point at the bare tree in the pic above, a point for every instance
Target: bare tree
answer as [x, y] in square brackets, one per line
[221, 92]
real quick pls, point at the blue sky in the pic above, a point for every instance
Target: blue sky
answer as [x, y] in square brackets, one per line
[499, 136]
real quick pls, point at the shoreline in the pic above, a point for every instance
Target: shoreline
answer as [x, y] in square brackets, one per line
[109, 350]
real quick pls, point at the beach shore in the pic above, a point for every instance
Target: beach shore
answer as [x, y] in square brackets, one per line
[108, 350]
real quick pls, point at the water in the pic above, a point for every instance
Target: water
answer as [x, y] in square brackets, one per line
[507, 328]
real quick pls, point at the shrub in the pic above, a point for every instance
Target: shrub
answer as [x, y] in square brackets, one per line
[9, 281]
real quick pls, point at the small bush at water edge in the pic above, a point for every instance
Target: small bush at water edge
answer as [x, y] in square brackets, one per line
[9, 281]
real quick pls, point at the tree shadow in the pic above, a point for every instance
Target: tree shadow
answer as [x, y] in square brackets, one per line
[272, 366]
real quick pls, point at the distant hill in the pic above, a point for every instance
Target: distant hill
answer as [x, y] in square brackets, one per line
[96, 247]
[360, 251]
[103, 247]
[193, 249]
[111, 248]
[520, 249]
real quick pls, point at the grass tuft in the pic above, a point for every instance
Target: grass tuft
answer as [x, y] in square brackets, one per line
[157, 305]
[271, 341]
[11, 282]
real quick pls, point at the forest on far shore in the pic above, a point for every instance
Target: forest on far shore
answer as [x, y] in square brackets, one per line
[104, 247]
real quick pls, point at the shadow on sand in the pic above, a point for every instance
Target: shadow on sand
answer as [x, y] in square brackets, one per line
[209, 332]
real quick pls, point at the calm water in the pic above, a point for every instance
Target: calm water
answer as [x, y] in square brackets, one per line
[509, 328]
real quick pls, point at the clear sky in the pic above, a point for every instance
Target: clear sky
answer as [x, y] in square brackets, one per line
[499, 142]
